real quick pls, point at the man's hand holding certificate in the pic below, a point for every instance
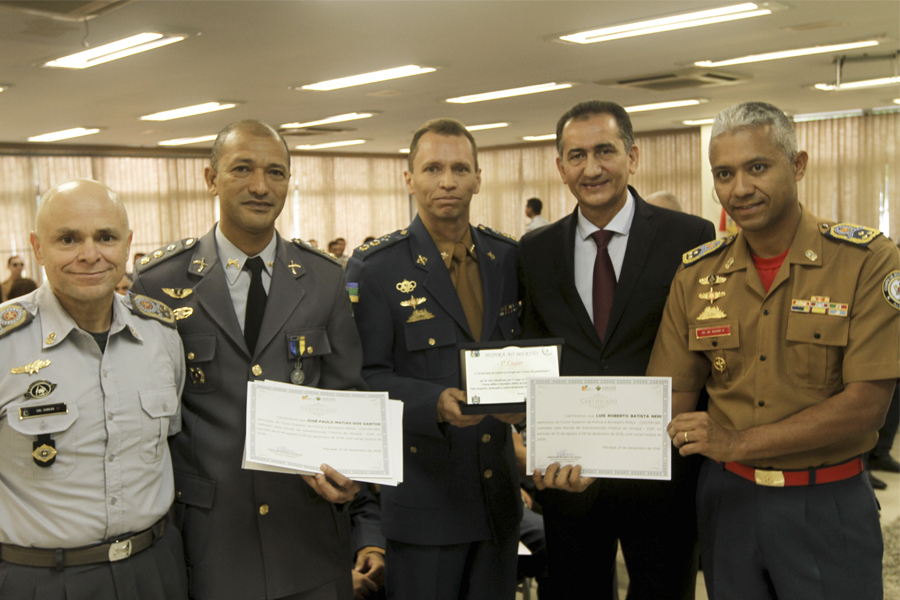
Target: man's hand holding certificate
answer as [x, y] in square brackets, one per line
[296, 429]
[585, 427]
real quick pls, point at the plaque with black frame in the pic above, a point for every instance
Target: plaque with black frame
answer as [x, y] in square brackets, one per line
[495, 375]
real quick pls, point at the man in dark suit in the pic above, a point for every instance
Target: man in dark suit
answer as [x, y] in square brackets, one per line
[599, 279]
[452, 525]
[253, 306]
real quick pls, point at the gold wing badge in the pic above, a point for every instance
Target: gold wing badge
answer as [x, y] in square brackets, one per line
[418, 314]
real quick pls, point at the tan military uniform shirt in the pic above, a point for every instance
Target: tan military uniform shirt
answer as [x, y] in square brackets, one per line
[764, 356]
[109, 416]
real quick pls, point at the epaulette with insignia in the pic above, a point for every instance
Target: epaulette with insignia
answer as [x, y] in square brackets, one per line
[163, 254]
[13, 316]
[499, 234]
[706, 249]
[370, 248]
[151, 308]
[316, 250]
[848, 232]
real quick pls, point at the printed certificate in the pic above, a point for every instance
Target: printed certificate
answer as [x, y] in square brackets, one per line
[613, 427]
[295, 429]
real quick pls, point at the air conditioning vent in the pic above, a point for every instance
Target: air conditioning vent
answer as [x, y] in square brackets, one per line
[676, 80]
[64, 10]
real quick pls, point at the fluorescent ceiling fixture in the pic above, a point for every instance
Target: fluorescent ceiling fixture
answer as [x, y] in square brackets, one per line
[335, 119]
[835, 114]
[187, 111]
[699, 122]
[62, 135]
[785, 54]
[487, 126]
[114, 50]
[397, 73]
[522, 91]
[896, 100]
[331, 145]
[539, 138]
[855, 85]
[662, 105]
[403, 150]
[190, 140]
[704, 17]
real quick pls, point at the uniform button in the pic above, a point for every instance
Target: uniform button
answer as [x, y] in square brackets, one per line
[762, 402]
[817, 335]
[43, 426]
[111, 457]
[488, 474]
[715, 343]
[165, 406]
[178, 495]
[105, 374]
[109, 416]
[766, 312]
[762, 357]
[413, 449]
[486, 438]
[190, 356]
[604, 364]
[431, 342]
[112, 500]
[263, 509]
[256, 370]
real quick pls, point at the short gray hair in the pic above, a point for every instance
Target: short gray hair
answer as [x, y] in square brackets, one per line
[750, 115]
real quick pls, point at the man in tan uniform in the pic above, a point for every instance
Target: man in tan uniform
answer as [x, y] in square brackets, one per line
[793, 327]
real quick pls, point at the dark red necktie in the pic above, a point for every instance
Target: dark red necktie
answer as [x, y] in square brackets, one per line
[604, 288]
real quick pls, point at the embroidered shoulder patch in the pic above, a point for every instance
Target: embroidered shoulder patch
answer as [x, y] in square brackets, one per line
[891, 289]
[13, 316]
[848, 232]
[700, 251]
[151, 308]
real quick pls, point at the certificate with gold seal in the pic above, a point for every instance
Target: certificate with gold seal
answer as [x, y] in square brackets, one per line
[614, 427]
[495, 375]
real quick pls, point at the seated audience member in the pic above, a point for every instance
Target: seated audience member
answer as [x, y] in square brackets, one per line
[21, 286]
[16, 266]
[533, 208]
[665, 200]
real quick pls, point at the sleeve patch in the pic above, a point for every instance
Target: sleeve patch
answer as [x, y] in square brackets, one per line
[700, 251]
[891, 289]
[151, 308]
[848, 232]
[353, 291]
[12, 316]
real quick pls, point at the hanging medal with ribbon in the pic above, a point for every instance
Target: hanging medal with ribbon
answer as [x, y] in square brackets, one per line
[296, 348]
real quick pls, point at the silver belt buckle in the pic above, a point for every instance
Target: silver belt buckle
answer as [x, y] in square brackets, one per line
[119, 550]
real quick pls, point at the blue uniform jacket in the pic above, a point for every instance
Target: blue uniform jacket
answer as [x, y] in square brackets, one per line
[460, 484]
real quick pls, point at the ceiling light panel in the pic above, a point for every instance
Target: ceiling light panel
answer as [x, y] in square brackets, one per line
[114, 50]
[486, 126]
[699, 121]
[522, 91]
[331, 145]
[694, 19]
[786, 54]
[663, 105]
[539, 138]
[189, 140]
[329, 120]
[187, 111]
[65, 134]
[387, 74]
[857, 85]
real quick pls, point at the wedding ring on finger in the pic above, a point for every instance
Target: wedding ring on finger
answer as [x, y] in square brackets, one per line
[686, 440]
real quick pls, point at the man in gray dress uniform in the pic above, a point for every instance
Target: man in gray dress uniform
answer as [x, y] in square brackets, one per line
[249, 306]
[89, 388]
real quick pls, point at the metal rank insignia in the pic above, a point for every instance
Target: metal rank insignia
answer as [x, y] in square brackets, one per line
[719, 364]
[182, 313]
[711, 312]
[198, 377]
[713, 279]
[44, 451]
[36, 391]
[201, 264]
[711, 295]
[820, 305]
[418, 314]
[234, 262]
[422, 260]
[406, 286]
[31, 368]
[178, 293]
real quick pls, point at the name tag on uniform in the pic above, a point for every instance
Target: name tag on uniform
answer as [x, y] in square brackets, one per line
[30, 412]
[708, 332]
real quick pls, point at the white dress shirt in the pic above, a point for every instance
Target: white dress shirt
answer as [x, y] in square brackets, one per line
[233, 259]
[586, 250]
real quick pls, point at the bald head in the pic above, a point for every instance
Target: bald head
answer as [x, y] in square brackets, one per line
[62, 196]
[665, 200]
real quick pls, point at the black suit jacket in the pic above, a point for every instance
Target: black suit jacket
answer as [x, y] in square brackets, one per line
[553, 309]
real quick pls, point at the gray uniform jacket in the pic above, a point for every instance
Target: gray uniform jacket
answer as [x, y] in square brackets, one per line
[250, 534]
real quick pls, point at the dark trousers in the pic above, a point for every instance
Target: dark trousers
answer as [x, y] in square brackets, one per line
[157, 573]
[654, 521]
[819, 542]
[484, 570]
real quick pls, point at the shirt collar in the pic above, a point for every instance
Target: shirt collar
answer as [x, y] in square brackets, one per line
[620, 224]
[57, 324]
[233, 259]
[445, 245]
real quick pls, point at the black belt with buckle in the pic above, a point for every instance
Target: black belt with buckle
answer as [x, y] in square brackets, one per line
[101, 553]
